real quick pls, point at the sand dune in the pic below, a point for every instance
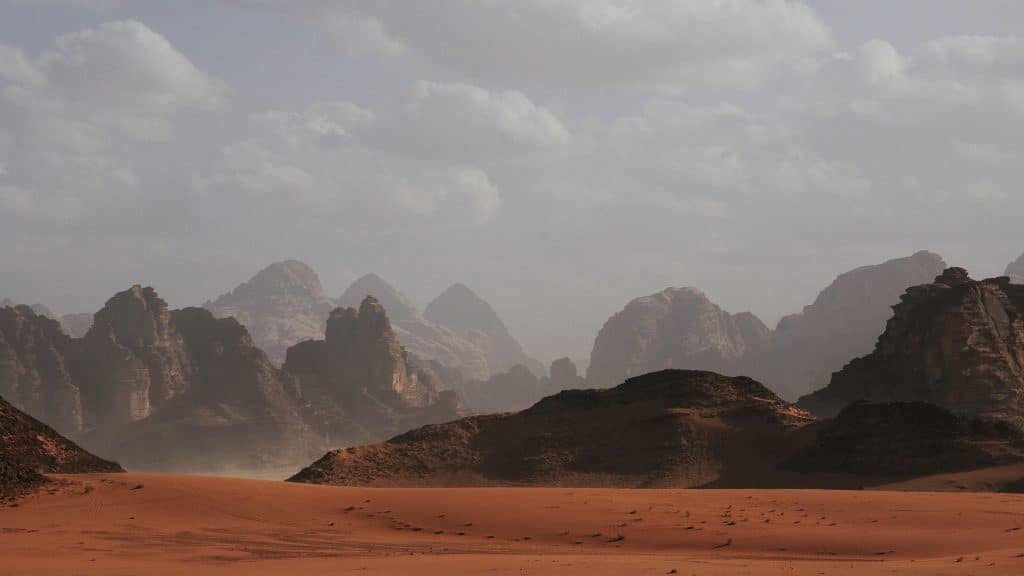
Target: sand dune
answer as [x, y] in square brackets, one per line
[166, 524]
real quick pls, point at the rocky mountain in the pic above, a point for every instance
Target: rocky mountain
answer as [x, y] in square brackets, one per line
[682, 328]
[359, 376]
[668, 428]
[1015, 270]
[39, 309]
[29, 449]
[182, 390]
[421, 337]
[843, 323]
[675, 328]
[34, 371]
[281, 305]
[956, 342]
[472, 318]
[517, 388]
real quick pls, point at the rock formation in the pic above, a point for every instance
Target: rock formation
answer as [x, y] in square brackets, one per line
[843, 323]
[517, 388]
[461, 310]
[682, 328]
[957, 343]
[131, 361]
[360, 376]
[670, 428]
[281, 305]
[1015, 270]
[675, 328]
[906, 439]
[34, 371]
[419, 336]
[29, 449]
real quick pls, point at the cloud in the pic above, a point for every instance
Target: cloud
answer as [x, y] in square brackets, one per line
[657, 42]
[70, 118]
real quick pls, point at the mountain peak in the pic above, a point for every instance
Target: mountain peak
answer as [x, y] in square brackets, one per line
[399, 308]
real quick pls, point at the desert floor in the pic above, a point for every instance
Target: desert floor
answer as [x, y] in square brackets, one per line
[165, 524]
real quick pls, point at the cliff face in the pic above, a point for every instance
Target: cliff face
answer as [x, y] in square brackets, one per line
[843, 323]
[358, 376]
[670, 428]
[421, 337]
[472, 318]
[957, 343]
[34, 374]
[678, 327]
[281, 305]
[29, 449]
[682, 328]
[131, 361]
[517, 388]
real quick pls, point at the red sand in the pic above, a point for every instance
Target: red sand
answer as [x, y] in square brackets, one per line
[103, 524]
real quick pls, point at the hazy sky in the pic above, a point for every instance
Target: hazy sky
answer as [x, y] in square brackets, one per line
[560, 157]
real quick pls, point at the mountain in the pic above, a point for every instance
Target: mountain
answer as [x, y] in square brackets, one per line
[29, 449]
[675, 328]
[360, 377]
[39, 309]
[669, 428]
[1015, 270]
[956, 342]
[181, 390]
[34, 371]
[281, 305]
[681, 327]
[421, 337]
[469, 316]
[517, 388]
[843, 323]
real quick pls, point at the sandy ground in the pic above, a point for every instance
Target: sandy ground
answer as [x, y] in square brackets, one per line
[166, 524]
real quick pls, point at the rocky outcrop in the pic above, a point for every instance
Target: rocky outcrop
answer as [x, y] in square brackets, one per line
[359, 376]
[461, 310]
[1015, 270]
[906, 439]
[682, 328]
[843, 323]
[421, 337]
[957, 343]
[29, 449]
[281, 305]
[675, 328]
[238, 412]
[517, 388]
[34, 371]
[669, 428]
[131, 361]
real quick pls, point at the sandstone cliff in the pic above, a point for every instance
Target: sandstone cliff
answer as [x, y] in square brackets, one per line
[472, 318]
[419, 336]
[675, 328]
[843, 323]
[34, 371]
[281, 306]
[360, 382]
[669, 428]
[957, 343]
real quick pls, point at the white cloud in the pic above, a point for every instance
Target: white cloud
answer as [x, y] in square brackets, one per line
[71, 118]
[657, 42]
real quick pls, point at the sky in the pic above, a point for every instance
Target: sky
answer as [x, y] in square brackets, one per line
[560, 157]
